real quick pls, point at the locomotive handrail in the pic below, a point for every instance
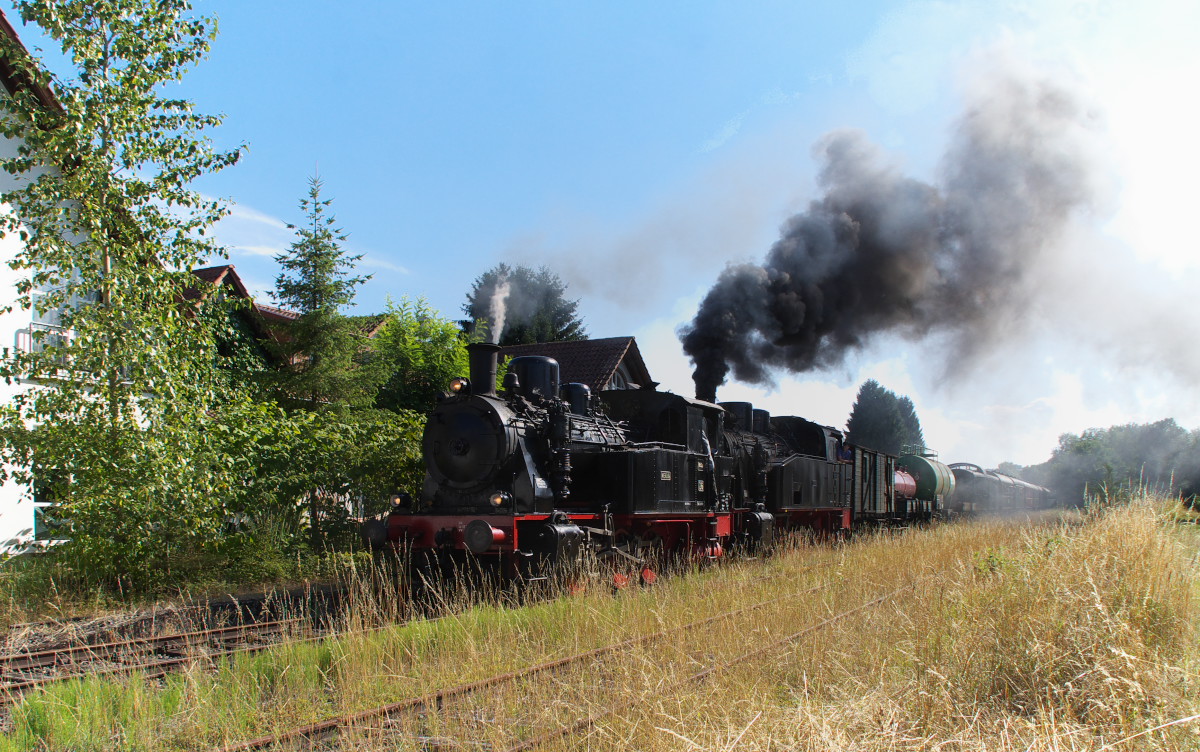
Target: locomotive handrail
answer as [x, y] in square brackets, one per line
[657, 445]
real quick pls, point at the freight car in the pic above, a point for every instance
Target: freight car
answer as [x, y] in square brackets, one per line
[934, 483]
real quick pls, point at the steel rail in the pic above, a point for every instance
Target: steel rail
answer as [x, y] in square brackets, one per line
[121, 653]
[128, 655]
[55, 656]
[595, 718]
[437, 699]
[13, 684]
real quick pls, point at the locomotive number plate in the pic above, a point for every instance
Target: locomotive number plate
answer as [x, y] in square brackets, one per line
[665, 475]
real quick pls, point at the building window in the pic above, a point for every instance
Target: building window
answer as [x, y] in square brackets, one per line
[620, 378]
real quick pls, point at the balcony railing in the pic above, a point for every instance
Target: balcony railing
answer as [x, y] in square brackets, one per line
[40, 338]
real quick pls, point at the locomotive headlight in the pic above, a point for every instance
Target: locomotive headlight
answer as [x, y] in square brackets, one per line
[499, 499]
[460, 385]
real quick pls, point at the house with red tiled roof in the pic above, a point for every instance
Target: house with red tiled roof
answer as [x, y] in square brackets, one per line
[263, 322]
[224, 280]
[608, 363]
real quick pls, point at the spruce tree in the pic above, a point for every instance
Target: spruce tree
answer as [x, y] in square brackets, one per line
[320, 352]
[883, 421]
[521, 305]
[875, 421]
[913, 435]
[323, 364]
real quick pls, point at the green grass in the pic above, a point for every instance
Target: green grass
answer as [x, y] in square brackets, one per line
[1019, 636]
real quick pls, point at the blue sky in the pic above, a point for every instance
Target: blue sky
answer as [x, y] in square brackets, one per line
[451, 135]
[636, 148]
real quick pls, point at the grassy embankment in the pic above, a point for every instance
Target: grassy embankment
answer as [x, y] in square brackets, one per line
[1015, 636]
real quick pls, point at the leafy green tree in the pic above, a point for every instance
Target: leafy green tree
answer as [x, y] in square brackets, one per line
[131, 419]
[422, 352]
[320, 352]
[339, 463]
[882, 421]
[1011, 469]
[1121, 459]
[523, 305]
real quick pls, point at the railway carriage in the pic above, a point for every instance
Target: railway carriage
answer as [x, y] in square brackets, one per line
[982, 491]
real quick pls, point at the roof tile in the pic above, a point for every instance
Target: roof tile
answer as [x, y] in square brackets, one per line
[589, 361]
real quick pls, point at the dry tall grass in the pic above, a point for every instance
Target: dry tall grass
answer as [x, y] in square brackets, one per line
[1050, 636]
[1062, 638]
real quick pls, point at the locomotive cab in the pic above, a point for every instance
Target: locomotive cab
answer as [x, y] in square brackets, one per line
[672, 466]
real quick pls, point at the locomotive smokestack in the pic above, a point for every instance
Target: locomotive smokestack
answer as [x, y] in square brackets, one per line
[483, 357]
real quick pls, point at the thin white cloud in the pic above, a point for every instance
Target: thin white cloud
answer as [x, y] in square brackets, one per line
[267, 251]
[777, 97]
[374, 262]
[728, 131]
[241, 212]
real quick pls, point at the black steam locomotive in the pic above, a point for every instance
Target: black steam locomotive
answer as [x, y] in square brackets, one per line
[538, 474]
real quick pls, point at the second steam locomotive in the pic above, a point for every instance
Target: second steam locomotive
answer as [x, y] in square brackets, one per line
[539, 473]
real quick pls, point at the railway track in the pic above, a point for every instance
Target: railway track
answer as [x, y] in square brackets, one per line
[581, 725]
[152, 657]
[157, 656]
[393, 715]
[259, 621]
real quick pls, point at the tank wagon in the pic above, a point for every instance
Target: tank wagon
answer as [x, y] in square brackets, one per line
[934, 482]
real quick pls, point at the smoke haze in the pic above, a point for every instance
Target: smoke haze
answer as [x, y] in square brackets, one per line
[884, 253]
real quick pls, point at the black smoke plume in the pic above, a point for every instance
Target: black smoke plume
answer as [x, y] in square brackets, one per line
[882, 253]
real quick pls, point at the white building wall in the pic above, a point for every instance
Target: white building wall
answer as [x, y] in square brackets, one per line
[17, 513]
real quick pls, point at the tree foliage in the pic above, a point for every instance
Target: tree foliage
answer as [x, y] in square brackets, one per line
[320, 351]
[883, 421]
[136, 412]
[1162, 456]
[323, 466]
[422, 352]
[913, 435]
[521, 305]
[142, 439]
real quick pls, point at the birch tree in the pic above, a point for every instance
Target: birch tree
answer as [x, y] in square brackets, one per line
[125, 412]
